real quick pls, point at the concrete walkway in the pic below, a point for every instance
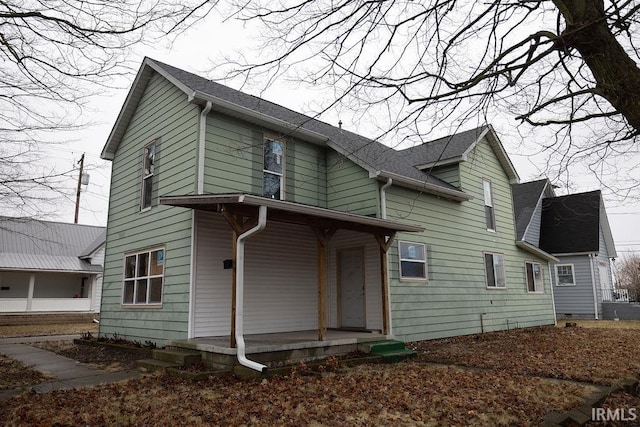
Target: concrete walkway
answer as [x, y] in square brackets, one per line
[68, 373]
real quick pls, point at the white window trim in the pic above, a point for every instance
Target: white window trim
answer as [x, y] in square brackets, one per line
[491, 204]
[284, 168]
[573, 275]
[486, 277]
[536, 290]
[424, 261]
[134, 304]
[144, 177]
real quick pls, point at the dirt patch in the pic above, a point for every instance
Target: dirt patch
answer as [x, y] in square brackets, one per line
[108, 358]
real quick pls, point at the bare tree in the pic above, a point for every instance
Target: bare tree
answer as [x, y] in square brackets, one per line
[55, 54]
[628, 274]
[567, 65]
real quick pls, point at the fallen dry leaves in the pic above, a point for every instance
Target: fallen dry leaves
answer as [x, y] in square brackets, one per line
[511, 379]
[593, 355]
[14, 374]
[403, 394]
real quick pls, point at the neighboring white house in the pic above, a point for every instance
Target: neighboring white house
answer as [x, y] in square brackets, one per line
[50, 266]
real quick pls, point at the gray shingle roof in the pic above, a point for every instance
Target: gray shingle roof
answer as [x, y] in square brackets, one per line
[370, 154]
[444, 149]
[27, 244]
[525, 200]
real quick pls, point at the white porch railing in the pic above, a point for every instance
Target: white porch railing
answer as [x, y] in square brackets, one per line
[615, 295]
[17, 305]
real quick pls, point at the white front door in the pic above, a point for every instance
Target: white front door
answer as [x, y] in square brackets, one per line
[352, 285]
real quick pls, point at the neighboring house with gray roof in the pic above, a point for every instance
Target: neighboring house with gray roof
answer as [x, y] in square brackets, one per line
[50, 266]
[573, 228]
[232, 215]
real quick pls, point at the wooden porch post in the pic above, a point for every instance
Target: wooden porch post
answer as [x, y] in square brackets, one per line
[385, 243]
[323, 235]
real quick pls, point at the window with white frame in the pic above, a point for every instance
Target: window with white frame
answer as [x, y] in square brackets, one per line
[273, 172]
[534, 277]
[565, 275]
[413, 261]
[489, 213]
[494, 270]
[143, 277]
[148, 166]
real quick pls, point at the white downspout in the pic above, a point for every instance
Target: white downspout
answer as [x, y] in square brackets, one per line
[383, 198]
[242, 358]
[383, 215]
[553, 298]
[593, 282]
[202, 130]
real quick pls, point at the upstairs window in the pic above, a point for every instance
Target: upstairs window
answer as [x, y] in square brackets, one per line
[273, 176]
[413, 261]
[148, 166]
[489, 214]
[494, 270]
[534, 277]
[565, 275]
[143, 277]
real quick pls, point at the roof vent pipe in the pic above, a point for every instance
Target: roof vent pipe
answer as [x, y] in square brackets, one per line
[242, 358]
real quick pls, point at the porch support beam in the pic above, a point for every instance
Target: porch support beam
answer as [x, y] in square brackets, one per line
[323, 236]
[385, 241]
[238, 225]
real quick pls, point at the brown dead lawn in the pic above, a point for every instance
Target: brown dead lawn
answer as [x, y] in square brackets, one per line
[509, 378]
[14, 374]
[409, 393]
[52, 329]
[595, 355]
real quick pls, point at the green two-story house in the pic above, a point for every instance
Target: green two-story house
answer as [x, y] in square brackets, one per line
[230, 216]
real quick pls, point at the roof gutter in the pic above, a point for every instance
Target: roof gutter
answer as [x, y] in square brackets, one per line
[536, 251]
[264, 119]
[419, 185]
[242, 358]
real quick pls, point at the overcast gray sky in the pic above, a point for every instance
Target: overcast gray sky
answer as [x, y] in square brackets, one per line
[197, 51]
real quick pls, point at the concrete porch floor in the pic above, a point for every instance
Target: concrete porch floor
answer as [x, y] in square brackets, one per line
[281, 341]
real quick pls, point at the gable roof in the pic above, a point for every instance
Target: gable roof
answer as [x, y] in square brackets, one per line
[526, 197]
[572, 224]
[380, 161]
[27, 244]
[456, 148]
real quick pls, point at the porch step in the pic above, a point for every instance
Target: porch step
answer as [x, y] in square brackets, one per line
[390, 350]
[152, 365]
[177, 357]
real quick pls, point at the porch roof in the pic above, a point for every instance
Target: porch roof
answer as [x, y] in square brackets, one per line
[284, 211]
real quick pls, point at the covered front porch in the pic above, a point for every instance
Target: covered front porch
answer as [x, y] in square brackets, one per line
[279, 349]
[274, 276]
[46, 291]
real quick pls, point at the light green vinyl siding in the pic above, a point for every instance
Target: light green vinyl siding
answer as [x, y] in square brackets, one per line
[456, 297]
[163, 115]
[449, 174]
[234, 162]
[349, 187]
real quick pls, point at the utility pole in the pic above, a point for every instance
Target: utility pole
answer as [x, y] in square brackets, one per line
[81, 162]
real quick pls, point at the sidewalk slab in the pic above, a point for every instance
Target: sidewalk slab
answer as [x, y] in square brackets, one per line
[68, 373]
